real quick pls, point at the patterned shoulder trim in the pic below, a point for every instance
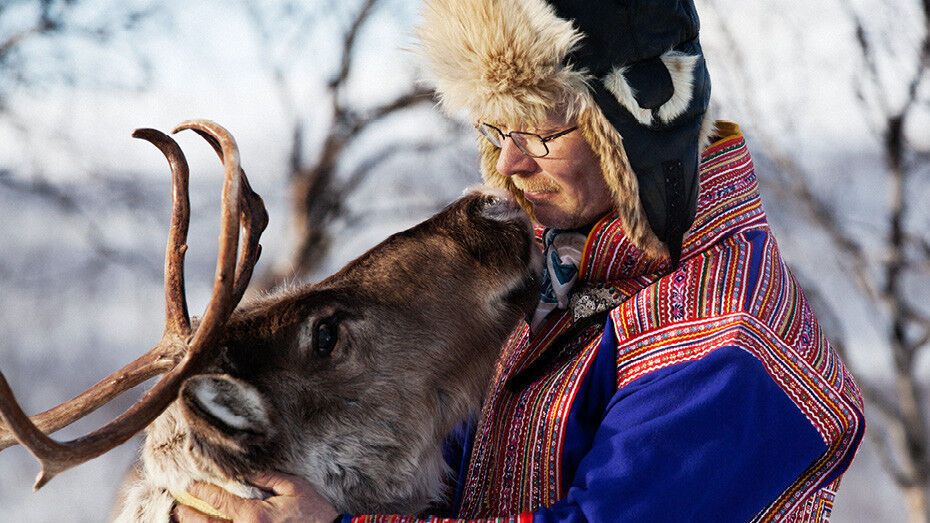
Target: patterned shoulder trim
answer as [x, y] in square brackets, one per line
[833, 413]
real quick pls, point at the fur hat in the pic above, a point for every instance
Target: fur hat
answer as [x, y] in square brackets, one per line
[633, 79]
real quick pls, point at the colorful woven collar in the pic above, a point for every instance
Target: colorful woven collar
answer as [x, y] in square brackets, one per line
[728, 199]
[612, 269]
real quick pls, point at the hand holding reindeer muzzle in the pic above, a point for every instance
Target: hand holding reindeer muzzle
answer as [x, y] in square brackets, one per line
[292, 499]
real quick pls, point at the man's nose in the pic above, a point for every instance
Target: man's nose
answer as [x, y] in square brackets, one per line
[513, 161]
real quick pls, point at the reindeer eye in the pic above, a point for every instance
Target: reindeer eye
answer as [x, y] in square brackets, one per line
[325, 337]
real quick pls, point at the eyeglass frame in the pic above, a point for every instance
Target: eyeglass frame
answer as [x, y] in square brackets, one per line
[543, 139]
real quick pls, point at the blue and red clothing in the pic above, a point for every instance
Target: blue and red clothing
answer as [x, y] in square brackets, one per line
[705, 393]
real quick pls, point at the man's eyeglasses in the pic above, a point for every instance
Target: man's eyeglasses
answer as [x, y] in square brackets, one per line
[530, 144]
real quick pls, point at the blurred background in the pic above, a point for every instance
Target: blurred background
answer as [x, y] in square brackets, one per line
[347, 147]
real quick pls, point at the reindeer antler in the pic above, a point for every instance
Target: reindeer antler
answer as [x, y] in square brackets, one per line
[181, 352]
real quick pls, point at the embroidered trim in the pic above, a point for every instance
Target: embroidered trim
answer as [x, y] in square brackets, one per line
[732, 285]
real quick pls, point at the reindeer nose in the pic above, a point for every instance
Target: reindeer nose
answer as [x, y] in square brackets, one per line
[500, 205]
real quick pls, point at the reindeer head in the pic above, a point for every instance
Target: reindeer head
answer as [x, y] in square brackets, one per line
[351, 383]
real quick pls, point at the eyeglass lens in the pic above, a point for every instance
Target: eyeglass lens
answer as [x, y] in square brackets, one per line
[492, 134]
[529, 143]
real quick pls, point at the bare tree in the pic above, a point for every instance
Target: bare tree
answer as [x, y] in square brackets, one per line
[905, 444]
[889, 104]
[317, 192]
[59, 23]
[38, 46]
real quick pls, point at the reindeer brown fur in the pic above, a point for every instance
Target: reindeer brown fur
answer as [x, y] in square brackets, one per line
[352, 383]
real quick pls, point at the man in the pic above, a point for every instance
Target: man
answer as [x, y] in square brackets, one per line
[674, 370]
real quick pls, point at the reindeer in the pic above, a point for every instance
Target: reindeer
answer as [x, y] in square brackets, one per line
[352, 383]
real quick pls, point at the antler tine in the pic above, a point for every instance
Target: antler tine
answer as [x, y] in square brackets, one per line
[254, 222]
[221, 303]
[56, 457]
[157, 361]
[254, 215]
[166, 354]
[177, 319]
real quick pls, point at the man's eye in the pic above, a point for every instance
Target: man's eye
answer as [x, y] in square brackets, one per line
[325, 337]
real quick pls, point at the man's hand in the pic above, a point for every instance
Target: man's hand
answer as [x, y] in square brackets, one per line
[293, 499]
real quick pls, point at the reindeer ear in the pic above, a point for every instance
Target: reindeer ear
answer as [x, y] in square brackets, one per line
[222, 404]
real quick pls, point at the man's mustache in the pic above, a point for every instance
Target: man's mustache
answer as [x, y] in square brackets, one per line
[535, 187]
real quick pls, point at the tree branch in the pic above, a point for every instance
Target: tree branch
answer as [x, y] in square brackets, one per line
[825, 217]
[382, 156]
[68, 204]
[883, 447]
[868, 56]
[43, 189]
[18, 38]
[360, 121]
[348, 44]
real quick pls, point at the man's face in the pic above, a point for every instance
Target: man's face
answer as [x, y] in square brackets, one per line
[565, 187]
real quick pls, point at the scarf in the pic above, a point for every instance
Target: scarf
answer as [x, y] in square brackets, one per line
[562, 252]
